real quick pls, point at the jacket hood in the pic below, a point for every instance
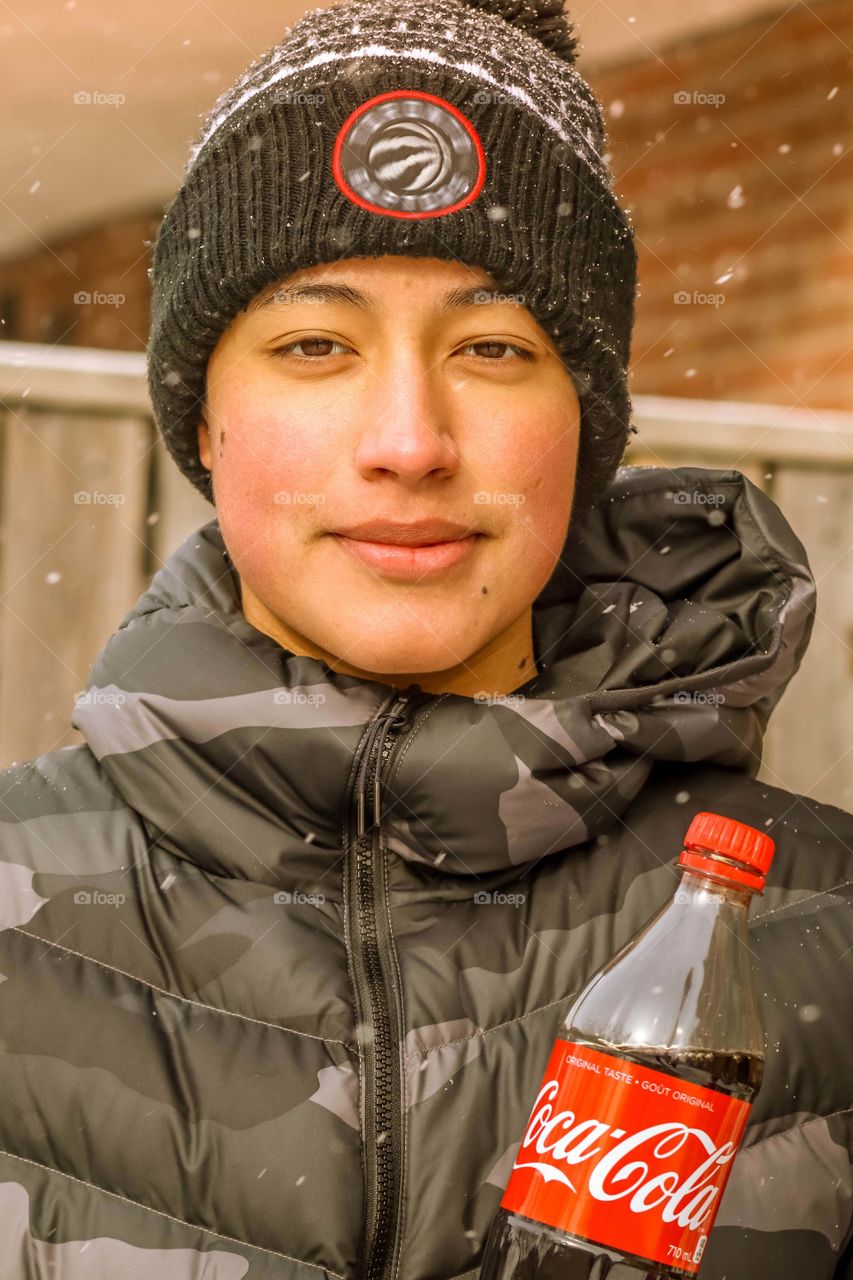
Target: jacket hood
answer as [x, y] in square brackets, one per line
[678, 613]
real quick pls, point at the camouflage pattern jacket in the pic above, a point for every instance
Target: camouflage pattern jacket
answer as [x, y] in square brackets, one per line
[258, 1020]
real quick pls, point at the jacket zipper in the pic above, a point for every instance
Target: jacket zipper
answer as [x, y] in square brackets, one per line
[378, 1003]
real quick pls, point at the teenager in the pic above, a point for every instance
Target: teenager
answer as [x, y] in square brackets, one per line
[401, 746]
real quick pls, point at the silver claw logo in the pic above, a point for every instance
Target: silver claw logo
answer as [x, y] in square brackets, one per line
[408, 154]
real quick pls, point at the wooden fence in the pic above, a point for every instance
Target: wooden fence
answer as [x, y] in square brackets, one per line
[91, 504]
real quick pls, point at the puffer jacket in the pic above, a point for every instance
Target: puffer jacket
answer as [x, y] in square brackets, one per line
[263, 1018]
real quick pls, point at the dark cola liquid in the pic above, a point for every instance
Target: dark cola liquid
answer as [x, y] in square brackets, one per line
[520, 1248]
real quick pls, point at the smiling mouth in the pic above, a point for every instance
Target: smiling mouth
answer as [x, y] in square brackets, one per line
[408, 560]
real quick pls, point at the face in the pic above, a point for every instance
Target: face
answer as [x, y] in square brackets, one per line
[390, 398]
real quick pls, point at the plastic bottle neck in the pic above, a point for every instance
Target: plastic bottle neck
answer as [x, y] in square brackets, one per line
[696, 883]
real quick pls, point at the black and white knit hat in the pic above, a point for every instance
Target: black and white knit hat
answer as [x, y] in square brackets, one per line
[454, 129]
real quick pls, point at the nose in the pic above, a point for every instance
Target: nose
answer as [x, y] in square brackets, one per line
[407, 421]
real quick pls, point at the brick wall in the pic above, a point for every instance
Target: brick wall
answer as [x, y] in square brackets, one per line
[90, 289]
[742, 201]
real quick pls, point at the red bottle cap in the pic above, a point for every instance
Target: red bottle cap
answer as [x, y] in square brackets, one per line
[724, 847]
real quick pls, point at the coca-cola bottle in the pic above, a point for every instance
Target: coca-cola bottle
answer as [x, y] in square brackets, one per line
[647, 1091]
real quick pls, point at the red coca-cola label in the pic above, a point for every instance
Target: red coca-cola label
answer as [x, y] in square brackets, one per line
[625, 1156]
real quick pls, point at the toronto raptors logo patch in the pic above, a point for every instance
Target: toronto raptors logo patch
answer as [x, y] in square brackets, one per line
[408, 154]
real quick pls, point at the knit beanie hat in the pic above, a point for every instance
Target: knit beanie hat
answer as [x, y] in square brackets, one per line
[453, 129]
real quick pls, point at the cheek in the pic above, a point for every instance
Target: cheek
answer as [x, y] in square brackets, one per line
[541, 482]
[264, 455]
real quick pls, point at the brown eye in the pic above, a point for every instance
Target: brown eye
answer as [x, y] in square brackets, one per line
[508, 346]
[289, 348]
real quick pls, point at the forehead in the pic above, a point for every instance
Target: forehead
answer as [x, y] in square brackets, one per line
[359, 283]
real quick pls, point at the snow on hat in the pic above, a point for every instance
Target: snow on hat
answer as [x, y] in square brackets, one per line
[454, 129]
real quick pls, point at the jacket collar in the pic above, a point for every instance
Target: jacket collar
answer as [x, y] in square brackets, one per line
[680, 610]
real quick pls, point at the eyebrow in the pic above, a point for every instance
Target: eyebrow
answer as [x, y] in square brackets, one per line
[454, 299]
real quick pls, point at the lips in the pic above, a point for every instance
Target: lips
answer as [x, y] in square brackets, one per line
[410, 560]
[412, 533]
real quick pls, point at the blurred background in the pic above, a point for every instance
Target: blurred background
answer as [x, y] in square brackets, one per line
[730, 126]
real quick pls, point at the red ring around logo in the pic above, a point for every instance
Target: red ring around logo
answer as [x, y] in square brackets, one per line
[372, 207]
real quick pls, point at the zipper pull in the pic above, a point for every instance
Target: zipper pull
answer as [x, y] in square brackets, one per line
[394, 725]
[391, 721]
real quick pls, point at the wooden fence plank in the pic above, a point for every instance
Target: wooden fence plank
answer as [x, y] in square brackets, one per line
[73, 507]
[809, 744]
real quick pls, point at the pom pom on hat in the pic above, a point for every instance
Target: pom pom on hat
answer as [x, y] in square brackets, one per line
[543, 19]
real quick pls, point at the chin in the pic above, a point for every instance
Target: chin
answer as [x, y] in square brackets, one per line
[401, 657]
